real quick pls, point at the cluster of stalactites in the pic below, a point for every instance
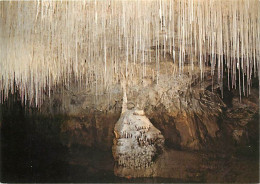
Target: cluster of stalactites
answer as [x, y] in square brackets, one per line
[45, 43]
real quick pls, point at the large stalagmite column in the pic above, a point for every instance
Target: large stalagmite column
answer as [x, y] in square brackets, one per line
[137, 143]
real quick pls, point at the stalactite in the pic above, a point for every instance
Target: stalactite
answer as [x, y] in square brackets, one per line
[45, 43]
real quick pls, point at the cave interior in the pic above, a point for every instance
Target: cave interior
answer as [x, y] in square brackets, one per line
[129, 91]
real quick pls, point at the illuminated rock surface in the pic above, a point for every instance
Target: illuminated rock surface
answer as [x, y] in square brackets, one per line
[137, 144]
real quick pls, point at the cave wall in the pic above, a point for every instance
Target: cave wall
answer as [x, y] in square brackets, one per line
[190, 114]
[181, 107]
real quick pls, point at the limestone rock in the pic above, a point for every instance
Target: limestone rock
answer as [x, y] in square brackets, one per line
[239, 135]
[137, 143]
[185, 110]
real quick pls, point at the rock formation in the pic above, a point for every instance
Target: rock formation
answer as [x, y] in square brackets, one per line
[137, 143]
[188, 112]
[183, 109]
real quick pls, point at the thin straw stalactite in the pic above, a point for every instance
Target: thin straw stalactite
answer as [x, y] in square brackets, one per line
[47, 43]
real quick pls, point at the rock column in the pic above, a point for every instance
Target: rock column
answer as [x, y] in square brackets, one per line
[136, 145]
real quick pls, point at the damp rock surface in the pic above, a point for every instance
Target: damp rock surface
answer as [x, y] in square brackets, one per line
[187, 116]
[136, 145]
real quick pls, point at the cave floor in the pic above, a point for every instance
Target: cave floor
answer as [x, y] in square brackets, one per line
[211, 167]
[82, 164]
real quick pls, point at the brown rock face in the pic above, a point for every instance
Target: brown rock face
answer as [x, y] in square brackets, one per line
[186, 115]
[137, 144]
[94, 130]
